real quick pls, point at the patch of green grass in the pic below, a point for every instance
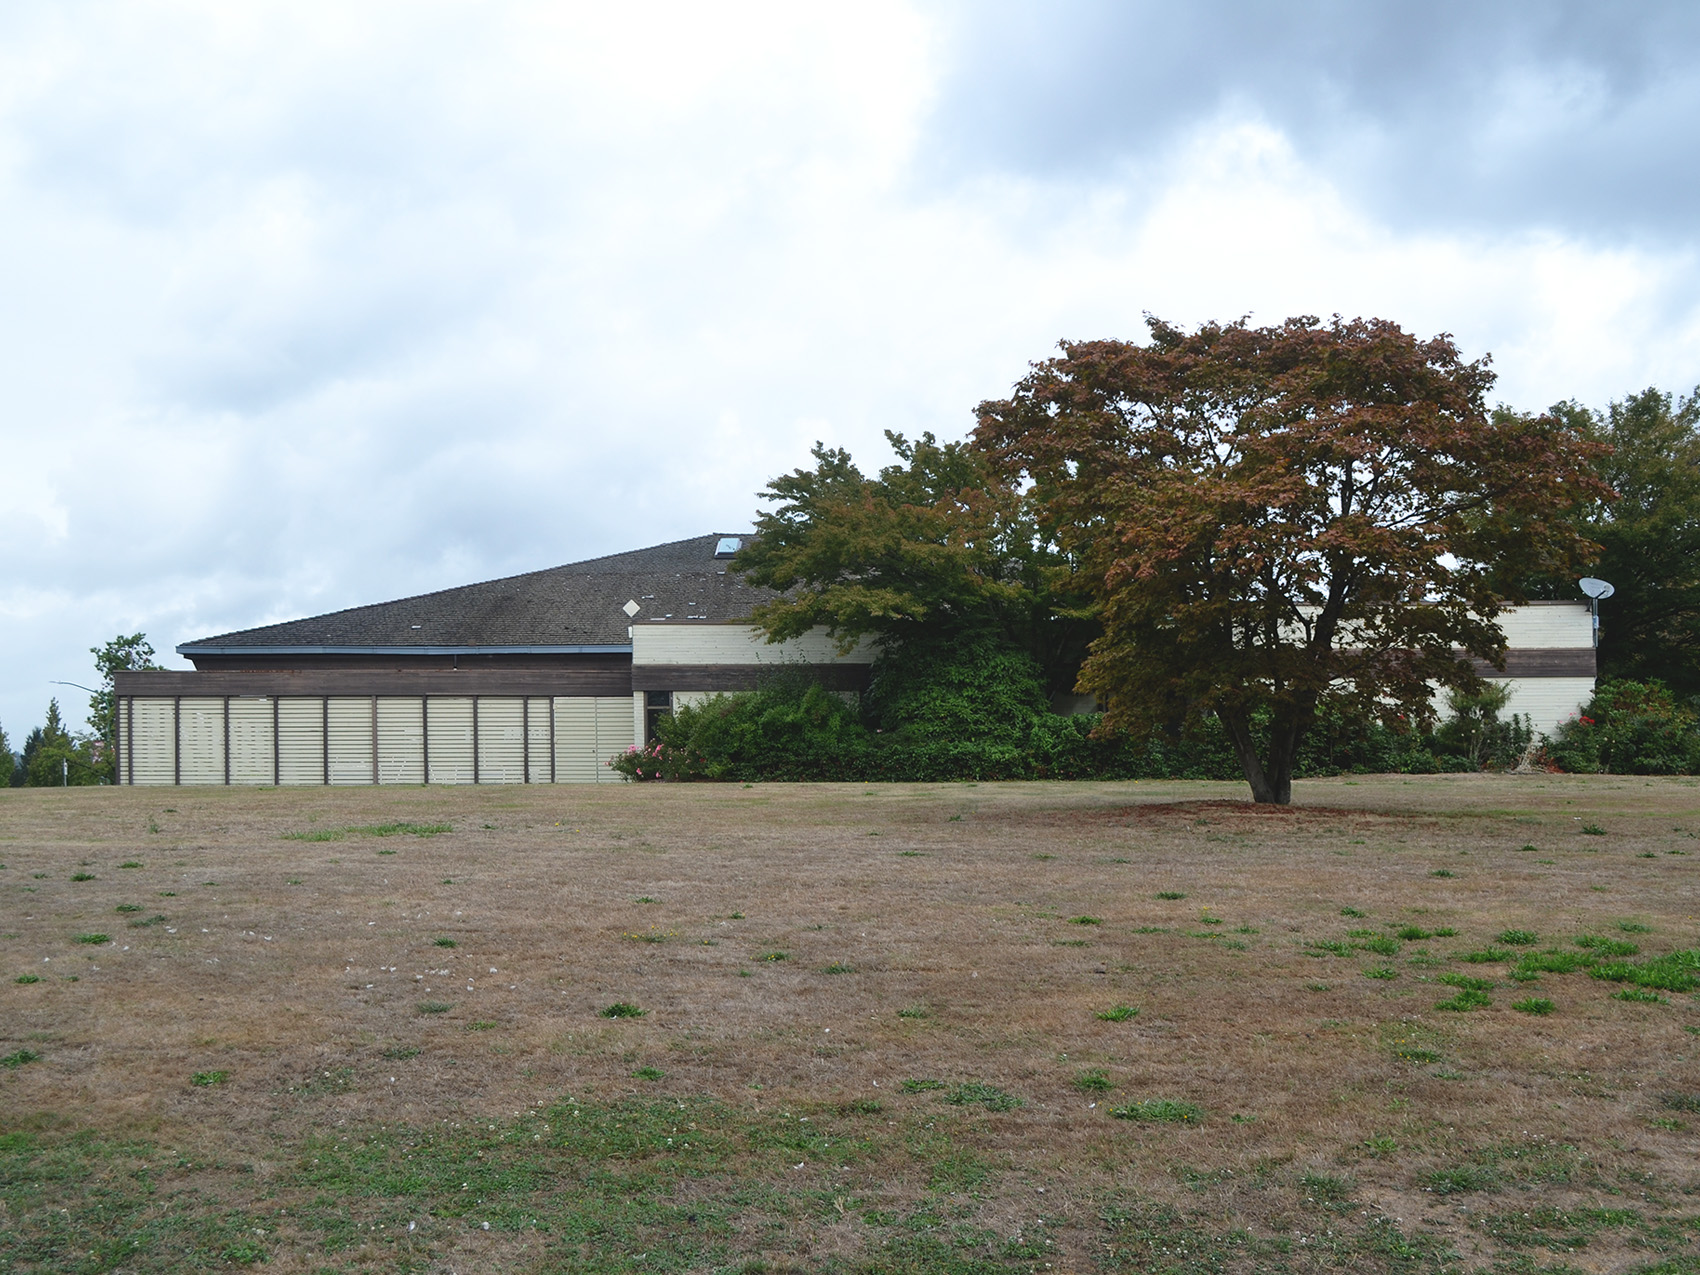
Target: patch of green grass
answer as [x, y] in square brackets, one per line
[1674, 1101]
[1604, 947]
[623, 1009]
[315, 834]
[1381, 945]
[973, 1093]
[914, 1011]
[444, 943]
[128, 907]
[1460, 1179]
[1381, 972]
[1442, 872]
[1466, 983]
[1085, 920]
[27, 978]
[1517, 938]
[131, 863]
[207, 1079]
[1329, 947]
[401, 1053]
[480, 1025]
[159, 918]
[83, 876]
[1552, 961]
[774, 956]
[1634, 927]
[1118, 1013]
[1675, 972]
[1352, 912]
[649, 1073]
[1529, 847]
[434, 1007]
[1534, 1005]
[371, 830]
[1464, 1002]
[1640, 994]
[1044, 858]
[1413, 934]
[19, 1058]
[838, 967]
[1592, 830]
[94, 940]
[920, 1084]
[1164, 1110]
[1171, 895]
[1093, 1080]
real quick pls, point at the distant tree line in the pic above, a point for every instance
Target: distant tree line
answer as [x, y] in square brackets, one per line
[54, 756]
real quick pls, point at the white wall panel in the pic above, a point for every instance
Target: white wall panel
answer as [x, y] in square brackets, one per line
[501, 739]
[1548, 624]
[449, 738]
[538, 710]
[614, 733]
[1548, 701]
[251, 740]
[201, 736]
[575, 740]
[350, 739]
[401, 740]
[738, 644]
[155, 744]
[301, 740]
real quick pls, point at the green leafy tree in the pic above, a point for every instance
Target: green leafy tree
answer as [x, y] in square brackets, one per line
[7, 761]
[122, 654]
[1285, 520]
[50, 753]
[936, 545]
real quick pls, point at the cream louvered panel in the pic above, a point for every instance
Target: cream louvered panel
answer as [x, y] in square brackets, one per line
[155, 746]
[575, 740]
[501, 740]
[449, 738]
[614, 723]
[537, 742]
[251, 740]
[201, 732]
[401, 740]
[350, 721]
[300, 740]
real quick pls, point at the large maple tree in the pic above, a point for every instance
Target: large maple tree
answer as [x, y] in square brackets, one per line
[1278, 517]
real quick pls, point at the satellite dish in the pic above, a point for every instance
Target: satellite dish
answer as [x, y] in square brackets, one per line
[1596, 589]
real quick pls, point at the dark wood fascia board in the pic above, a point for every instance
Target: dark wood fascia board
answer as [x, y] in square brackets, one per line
[742, 677]
[1528, 662]
[611, 680]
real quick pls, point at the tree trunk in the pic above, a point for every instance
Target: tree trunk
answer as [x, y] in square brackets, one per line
[1263, 792]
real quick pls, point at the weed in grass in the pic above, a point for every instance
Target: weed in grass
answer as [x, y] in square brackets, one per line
[1329, 947]
[1165, 1110]
[386, 852]
[1171, 894]
[1460, 1179]
[481, 1025]
[1518, 938]
[94, 940]
[1603, 947]
[651, 935]
[1442, 872]
[904, 854]
[1464, 1002]
[1044, 858]
[1207, 919]
[1381, 945]
[434, 1007]
[1673, 1101]
[1379, 1145]
[1118, 1013]
[1332, 1193]
[1675, 972]
[316, 834]
[1641, 994]
[1552, 961]
[1445, 932]
[1413, 934]
[131, 863]
[649, 1073]
[1634, 927]
[27, 978]
[168, 894]
[1487, 956]
[838, 967]
[920, 1085]
[862, 1107]
[128, 907]
[83, 876]
[1094, 1080]
[1668, 1122]
[774, 956]
[1352, 912]
[1316, 987]
[444, 943]
[401, 1053]
[1592, 830]
[1528, 848]
[149, 922]
[19, 1058]
[914, 1011]
[1071, 943]
[1534, 1005]
[1381, 972]
[623, 1009]
[973, 1093]
[1085, 920]
[207, 1079]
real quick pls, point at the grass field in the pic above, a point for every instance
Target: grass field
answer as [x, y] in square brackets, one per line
[1407, 1025]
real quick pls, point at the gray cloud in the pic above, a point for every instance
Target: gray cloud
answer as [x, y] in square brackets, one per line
[1575, 116]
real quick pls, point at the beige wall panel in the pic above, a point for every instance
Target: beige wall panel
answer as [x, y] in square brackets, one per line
[351, 739]
[300, 740]
[156, 741]
[251, 740]
[1548, 624]
[575, 740]
[450, 739]
[614, 723]
[737, 644]
[201, 732]
[1548, 701]
[538, 710]
[501, 740]
[401, 740]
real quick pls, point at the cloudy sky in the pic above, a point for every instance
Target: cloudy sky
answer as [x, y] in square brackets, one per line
[309, 305]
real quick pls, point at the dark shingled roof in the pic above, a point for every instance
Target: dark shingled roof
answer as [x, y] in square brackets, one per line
[577, 605]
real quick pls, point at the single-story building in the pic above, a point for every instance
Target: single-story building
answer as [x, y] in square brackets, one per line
[542, 677]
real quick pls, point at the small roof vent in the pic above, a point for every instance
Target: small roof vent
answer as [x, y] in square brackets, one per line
[727, 546]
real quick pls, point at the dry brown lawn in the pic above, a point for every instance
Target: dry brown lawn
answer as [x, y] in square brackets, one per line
[802, 951]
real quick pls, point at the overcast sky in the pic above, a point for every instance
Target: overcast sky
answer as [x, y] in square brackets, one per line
[309, 305]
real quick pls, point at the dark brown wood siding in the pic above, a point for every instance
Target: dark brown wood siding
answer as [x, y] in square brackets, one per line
[741, 677]
[606, 679]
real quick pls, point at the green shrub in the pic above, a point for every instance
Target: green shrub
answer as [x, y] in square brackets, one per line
[1629, 728]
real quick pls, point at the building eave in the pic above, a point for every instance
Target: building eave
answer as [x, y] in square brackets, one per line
[192, 649]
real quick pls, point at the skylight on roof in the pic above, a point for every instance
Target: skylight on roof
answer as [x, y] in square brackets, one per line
[727, 546]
